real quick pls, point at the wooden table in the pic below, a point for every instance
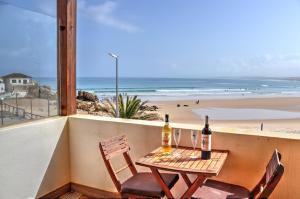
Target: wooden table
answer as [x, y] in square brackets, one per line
[184, 165]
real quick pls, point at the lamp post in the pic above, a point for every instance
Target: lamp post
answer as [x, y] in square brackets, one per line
[117, 83]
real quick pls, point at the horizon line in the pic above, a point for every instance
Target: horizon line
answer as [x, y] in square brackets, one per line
[208, 77]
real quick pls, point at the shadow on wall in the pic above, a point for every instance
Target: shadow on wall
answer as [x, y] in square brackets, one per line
[58, 171]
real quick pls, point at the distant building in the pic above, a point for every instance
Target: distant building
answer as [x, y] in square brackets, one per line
[2, 86]
[17, 82]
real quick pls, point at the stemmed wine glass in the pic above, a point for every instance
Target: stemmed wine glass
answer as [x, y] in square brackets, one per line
[194, 139]
[176, 136]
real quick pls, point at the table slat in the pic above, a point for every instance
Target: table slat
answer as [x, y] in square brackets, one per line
[184, 163]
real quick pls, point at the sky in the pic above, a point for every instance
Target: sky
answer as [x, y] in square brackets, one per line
[170, 38]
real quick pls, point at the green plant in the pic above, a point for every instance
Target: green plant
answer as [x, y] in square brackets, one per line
[131, 108]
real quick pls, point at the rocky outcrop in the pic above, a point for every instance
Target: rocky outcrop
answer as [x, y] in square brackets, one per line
[43, 92]
[93, 108]
[88, 102]
[86, 96]
[149, 108]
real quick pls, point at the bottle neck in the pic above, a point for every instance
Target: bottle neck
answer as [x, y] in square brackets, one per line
[206, 122]
[167, 119]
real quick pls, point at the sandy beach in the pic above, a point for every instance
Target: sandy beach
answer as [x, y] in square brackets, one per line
[281, 114]
[39, 106]
[186, 112]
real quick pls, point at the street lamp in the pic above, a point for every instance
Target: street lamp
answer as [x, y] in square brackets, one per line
[117, 82]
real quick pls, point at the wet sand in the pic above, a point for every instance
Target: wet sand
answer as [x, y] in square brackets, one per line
[187, 114]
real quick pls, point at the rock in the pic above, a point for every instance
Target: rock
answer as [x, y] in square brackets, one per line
[155, 107]
[97, 106]
[149, 108]
[86, 96]
[178, 105]
[83, 105]
[43, 92]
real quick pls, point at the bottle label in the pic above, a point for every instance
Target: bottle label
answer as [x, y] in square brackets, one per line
[206, 142]
[166, 141]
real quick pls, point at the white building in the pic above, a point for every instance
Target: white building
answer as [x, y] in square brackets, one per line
[17, 82]
[18, 79]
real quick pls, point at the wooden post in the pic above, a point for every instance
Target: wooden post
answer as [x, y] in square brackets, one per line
[66, 42]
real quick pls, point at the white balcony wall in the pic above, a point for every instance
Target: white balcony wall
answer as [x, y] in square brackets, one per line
[249, 152]
[34, 158]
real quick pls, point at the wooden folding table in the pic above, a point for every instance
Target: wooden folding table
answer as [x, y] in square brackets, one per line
[184, 164]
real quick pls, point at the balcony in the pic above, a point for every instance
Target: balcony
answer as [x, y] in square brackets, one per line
[50, 157]
[40, 157]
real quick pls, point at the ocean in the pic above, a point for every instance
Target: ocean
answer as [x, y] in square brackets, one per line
[184, 88]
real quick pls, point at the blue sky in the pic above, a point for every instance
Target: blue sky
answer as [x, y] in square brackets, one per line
[170, 38]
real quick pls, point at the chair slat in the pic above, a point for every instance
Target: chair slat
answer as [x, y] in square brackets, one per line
[110, 143]
[272, 166]
[122, 169]
[115, 146]
[116, 153]
[270, 179]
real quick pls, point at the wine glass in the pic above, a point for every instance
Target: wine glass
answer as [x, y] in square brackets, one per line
[194, 139]
[176, 136]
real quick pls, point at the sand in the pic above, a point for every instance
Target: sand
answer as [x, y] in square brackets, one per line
[39, 106]
[186, 114]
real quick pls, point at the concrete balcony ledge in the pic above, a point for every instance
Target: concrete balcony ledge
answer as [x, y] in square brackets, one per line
[41, 156]
[218, 129]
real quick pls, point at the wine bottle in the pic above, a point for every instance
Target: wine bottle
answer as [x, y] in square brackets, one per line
[206, 141]
[166, 136]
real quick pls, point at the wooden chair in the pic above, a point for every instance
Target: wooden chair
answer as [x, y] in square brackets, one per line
[220, 190]
[140, 184]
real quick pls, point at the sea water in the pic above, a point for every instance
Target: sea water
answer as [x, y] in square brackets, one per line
[185, 88]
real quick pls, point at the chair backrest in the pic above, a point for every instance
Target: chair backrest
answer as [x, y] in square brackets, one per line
[272, 176]
[111, 148]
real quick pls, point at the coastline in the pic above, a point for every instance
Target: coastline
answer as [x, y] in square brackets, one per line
[193, 113]
[186, 114]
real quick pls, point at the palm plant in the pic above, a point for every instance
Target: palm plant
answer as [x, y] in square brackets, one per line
[132, 108]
